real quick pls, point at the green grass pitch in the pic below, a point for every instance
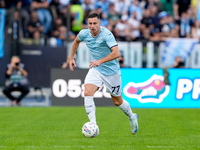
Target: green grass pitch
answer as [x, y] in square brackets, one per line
[59, 128]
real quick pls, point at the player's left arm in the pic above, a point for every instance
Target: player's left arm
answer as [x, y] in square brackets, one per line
[113, 55]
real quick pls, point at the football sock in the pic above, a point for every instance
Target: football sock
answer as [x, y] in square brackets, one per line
[90, 108]
[125, 107]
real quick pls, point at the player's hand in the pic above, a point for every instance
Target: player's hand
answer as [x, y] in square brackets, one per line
[65, 65]
[95, 63]
[72, 64]
[13, 65]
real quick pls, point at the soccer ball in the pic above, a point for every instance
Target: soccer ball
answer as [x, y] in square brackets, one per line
[90, 129]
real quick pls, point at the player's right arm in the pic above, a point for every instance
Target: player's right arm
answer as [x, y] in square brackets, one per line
[71, 60]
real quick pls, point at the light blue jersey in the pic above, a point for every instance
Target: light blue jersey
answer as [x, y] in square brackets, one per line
[100, 47]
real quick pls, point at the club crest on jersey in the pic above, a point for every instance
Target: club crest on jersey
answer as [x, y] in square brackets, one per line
[99, 40]
[153, 90]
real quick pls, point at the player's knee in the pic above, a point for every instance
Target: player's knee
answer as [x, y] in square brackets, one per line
[117, 100]
[88, 93]
[116, 103]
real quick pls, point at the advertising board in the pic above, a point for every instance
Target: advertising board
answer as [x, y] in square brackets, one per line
[145, 88]
[142, 88]
[68, 88]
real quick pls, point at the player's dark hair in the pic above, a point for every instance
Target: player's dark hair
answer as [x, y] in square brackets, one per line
[94, 15]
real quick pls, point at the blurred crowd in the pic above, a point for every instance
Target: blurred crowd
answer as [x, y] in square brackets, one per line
[129, 20]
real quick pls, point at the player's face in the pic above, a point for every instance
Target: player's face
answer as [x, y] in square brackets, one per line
[94, 25]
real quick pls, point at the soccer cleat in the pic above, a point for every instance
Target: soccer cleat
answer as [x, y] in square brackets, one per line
[134, 124]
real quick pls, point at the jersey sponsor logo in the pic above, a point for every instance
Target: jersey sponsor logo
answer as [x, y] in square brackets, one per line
[153, 90]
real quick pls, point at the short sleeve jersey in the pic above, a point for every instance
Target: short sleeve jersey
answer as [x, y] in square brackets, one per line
[100, 47]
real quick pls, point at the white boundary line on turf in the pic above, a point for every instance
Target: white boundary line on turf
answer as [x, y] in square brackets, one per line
[59, 146]
[56, 146]
[160, 146]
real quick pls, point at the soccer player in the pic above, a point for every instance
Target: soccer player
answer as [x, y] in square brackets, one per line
[104, 68]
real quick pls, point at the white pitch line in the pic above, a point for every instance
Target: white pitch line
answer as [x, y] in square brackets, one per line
[90, 146]
[160, 146]
[57, 146]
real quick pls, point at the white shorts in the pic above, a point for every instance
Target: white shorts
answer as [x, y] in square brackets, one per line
[113, 82]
